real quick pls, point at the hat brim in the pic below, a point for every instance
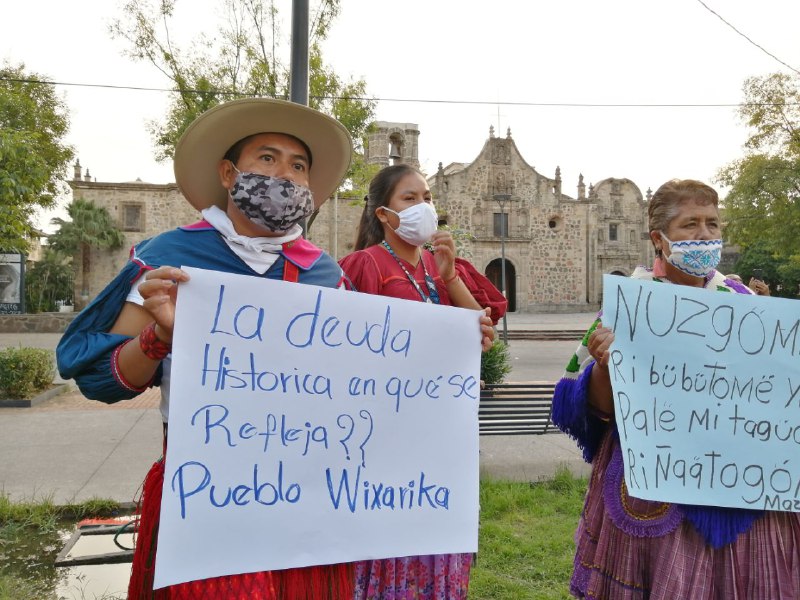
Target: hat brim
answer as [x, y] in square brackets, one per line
[210, 135]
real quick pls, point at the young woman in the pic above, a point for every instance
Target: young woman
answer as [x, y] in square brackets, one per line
[389, 260]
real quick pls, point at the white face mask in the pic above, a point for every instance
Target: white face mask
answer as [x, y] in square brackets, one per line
[694, 257]
[417, 223]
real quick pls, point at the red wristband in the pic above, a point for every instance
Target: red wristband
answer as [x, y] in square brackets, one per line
[452, 279]
[151, 345]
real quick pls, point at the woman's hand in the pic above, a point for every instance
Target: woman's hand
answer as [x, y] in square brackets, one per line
[600, 390]
[487, 329]
[761, 288]
[444, 251]
[160, 291]
[599, 345]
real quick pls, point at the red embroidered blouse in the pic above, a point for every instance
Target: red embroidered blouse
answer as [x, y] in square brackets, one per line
[375, 271]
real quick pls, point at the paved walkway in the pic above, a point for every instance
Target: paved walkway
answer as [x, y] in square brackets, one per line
[70, 449]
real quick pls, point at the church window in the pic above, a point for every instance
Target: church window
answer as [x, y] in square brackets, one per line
[632, 236]
[555, 223]
[500, 224]
[132, 217]
[612, 232]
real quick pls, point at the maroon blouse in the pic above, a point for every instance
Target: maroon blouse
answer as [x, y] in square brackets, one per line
[375, 271]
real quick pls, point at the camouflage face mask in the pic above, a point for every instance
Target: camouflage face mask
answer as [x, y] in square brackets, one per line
[274, 203]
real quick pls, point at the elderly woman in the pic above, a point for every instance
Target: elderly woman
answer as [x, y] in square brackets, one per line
[629, 548]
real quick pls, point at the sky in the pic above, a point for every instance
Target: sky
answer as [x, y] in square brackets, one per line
[455, 68]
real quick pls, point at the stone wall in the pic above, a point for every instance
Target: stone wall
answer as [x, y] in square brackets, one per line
[141, 210]
[324, 232]
[38, 323]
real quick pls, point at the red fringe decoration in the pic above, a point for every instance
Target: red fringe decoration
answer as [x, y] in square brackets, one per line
[144, 554]
[327, 582]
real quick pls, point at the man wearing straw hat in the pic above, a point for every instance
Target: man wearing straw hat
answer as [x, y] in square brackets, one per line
[255, 168]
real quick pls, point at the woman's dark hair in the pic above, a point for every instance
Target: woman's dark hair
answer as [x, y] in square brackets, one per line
[381, 188]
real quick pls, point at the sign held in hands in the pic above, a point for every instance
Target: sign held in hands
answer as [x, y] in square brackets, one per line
[706, 394]
[312, 426]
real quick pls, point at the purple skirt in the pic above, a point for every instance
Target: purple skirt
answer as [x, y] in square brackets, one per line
[631, 549]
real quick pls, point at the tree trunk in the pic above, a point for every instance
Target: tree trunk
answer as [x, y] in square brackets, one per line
[85, 264]
[42, 291]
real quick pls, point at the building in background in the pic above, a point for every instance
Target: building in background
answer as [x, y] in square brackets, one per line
[141, 211]
[557, 247]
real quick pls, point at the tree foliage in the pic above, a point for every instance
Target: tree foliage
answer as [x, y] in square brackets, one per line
[89, 226]
[49, 282]
[782, 273]
[772, 110]
[33, 156]
[763, 204]
[243, 59]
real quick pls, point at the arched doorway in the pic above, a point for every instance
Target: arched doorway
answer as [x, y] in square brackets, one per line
[495, 275]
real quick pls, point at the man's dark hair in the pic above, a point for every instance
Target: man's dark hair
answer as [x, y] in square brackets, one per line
[235, 152]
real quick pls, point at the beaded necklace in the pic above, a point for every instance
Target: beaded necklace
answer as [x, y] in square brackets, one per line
[433, 296]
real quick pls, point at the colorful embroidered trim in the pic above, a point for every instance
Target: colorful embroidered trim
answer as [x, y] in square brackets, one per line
[661, 518]
[120, 379]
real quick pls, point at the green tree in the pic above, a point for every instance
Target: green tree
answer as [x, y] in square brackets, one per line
[33, 156]
[782, 273]
[763, 204]
[49, 282]
[241, 60]
[89, 226]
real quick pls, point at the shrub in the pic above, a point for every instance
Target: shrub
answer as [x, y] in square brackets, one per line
[25, 371]
[495, 363]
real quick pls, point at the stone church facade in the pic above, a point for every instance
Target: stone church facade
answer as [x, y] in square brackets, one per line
[556, 247]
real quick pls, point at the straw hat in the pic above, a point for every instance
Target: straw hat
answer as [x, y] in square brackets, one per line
[210, 135]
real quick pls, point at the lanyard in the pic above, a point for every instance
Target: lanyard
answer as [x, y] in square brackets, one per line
[433, 296]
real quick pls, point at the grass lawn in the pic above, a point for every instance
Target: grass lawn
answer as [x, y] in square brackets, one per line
[525, 544]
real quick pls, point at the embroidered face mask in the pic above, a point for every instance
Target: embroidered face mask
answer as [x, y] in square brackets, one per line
[417, 223]
[273, 203]
[694, 257]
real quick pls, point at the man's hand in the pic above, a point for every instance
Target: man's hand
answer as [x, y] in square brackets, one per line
[160, 292]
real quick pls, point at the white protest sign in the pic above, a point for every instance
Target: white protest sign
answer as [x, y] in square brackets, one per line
[310, 425]
[706, 394]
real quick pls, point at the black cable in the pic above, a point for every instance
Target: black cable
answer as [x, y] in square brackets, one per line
[416, 100]
[123, 529]
[759, 46]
